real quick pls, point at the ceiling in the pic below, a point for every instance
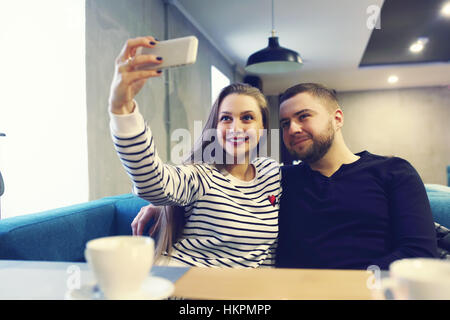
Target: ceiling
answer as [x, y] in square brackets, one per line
[390, 44]
[332, 37]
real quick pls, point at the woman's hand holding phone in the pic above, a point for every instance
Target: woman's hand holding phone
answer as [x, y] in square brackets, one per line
[127, 80]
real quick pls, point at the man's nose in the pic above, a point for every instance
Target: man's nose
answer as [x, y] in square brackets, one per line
[295, 127]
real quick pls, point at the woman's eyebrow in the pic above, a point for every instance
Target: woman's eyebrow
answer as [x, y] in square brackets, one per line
[227, 112]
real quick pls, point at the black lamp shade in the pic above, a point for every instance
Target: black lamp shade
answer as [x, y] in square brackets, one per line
[273, 59]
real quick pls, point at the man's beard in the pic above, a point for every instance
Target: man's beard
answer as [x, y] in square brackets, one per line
[320, 146]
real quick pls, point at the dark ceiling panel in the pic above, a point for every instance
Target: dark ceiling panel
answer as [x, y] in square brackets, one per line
[402, 23]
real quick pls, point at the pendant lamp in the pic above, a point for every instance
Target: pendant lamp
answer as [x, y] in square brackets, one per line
[274, 58]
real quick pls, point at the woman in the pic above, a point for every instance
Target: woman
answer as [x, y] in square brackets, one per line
[230, 209]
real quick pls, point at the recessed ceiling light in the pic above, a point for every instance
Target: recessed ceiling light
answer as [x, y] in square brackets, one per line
[393, 79]
[445, 11]
[418, 45]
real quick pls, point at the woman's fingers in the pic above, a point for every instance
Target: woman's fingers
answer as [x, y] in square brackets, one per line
[130, 47]
[137, 219]
[130, 64]
[135, 222]
[145, 59]
[148, 212]
[131, 77]
[141, 225]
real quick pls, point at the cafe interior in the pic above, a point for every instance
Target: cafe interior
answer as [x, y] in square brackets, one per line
[62, 184]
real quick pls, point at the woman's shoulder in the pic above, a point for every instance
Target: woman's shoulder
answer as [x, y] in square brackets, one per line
[202, 168]
[265, 161]
[267, 169]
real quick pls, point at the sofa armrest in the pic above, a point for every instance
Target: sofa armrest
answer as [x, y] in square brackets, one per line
[439, 197]
[127, 207]
[56, 235]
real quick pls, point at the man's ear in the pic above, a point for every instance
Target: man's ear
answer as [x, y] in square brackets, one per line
[339, 118]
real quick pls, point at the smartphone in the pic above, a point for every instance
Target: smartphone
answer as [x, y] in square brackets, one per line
[175, 53]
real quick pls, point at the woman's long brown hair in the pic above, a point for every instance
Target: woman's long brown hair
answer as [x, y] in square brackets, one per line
[170, 220]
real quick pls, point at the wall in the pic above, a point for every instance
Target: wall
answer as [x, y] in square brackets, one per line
[409, 123]
[274, 135]
[173, 101]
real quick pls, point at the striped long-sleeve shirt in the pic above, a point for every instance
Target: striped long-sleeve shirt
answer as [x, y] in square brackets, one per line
[229, 222]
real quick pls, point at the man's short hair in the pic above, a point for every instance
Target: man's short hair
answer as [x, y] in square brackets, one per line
[316, 90]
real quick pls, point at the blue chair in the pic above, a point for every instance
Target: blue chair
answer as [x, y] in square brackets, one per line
[2, 185]
[439, 196]
[2, 190]
[448, 176]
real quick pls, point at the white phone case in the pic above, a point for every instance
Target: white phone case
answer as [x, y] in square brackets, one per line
[175, 53]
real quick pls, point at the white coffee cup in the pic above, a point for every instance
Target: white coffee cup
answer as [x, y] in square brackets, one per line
[418, 279]
[120, 264]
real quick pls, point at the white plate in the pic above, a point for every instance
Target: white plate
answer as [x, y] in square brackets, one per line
[153, 288]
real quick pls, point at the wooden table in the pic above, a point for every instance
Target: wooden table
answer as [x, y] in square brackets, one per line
[50, 280]
[273, 284]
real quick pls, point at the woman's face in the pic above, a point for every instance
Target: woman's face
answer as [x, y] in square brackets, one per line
[239, 124]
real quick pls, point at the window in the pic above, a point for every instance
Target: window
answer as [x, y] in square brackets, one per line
[43, 158]
[218, 82]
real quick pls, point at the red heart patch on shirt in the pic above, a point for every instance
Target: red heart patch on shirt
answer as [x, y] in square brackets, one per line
[272, 200]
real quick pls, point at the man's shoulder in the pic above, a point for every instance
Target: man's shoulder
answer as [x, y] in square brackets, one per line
[389, 161]
[390, 169]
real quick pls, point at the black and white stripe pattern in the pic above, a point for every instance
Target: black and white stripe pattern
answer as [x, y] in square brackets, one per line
[229, 222]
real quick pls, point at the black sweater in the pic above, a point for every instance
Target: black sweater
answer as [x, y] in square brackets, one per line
[370, 212]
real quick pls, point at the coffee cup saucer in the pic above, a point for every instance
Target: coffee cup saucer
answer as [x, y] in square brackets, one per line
[153, 288]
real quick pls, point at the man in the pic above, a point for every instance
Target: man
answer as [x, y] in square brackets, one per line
[341, 210]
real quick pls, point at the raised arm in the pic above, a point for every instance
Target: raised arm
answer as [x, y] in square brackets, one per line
[153, 180]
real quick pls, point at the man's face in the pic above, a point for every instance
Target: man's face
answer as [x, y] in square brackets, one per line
[307, 126]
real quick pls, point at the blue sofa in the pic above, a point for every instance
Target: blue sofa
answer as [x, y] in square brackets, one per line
[439, 197]
[61, 234]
